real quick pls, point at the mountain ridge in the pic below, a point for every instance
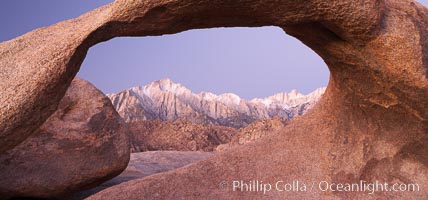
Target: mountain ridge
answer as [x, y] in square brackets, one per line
[169, 101]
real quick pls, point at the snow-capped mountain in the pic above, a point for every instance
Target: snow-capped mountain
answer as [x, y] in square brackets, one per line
[169, 101]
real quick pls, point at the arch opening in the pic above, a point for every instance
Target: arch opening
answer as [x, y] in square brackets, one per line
[250, 62]
[370, 121]
[265, 72]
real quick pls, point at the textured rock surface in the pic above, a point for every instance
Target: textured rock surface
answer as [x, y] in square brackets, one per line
[84, 143]
[371, 123]
[153, 162]
[155, 135]
[169, 101]
[254, 131]
[145, 164]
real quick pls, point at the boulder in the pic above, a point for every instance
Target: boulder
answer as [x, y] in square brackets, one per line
[370, 125]
[83, 144]
[144, 164]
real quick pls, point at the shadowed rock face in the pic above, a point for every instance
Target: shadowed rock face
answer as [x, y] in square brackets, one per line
[83, 144]
[371, 123]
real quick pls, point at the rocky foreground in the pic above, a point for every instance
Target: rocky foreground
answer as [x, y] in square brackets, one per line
[83, 144]
[145, 164]
[370, 125]
[155, 135]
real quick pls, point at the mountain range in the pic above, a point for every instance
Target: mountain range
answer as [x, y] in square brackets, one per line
[168, 101]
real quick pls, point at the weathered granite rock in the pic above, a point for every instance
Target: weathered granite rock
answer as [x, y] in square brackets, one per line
[152, 162]
[144, 164]
[156, 135]
[371, 123]
[83, 144]
[37, 68]
[254, 131]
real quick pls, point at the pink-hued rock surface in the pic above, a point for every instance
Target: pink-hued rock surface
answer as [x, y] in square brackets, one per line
[144, 164]
[83, 144]
[156, 135]
[254, 131]
[371, 124]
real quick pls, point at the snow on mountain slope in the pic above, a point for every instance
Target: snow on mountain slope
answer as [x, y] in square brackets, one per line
[169, 101]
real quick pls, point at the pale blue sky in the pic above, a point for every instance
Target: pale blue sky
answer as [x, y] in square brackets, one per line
[251, 62]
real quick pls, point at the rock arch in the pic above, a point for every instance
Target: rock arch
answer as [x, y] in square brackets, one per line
[371, 123]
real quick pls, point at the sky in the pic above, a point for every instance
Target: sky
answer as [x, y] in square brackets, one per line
[250, 62]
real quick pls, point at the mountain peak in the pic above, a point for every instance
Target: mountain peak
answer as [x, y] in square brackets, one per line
[165, 100]
[164, 85]
[165, 81]
[294, 93]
